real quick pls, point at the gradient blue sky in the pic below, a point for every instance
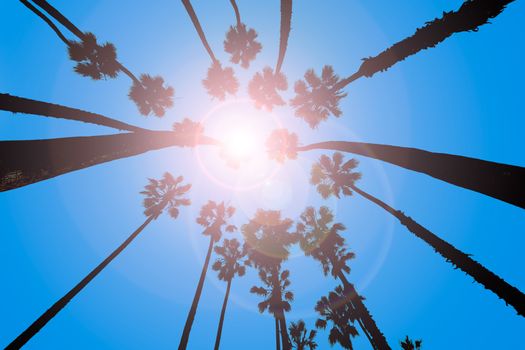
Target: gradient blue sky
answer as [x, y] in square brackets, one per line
[463, 97]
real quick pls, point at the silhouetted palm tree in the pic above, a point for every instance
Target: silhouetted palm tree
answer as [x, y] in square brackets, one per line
[316, 103]
[229, 264]
[241, 42]
[332, 176]
[17, 104]
[320, 239]
[264, 87]
[164, 194]
[498, 180]
[219, 81]
[100, 61]
[408, 344]
[268, 241]
[214, 218]
[190, 131]
[301, 339]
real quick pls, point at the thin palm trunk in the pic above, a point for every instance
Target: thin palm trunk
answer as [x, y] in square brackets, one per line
[47, 20]
[17, 104]
[287, 345]
[277, 338]
[286, 21]
[468, 18]
[47, 316]
[510, 294]
[193, 310]
[223, 311]
[237, 13]
[197, 25]
[28, 161]
[377, 338]
[497, 180]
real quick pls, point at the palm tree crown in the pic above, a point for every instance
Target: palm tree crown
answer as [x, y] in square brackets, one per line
[190, 130]
[242, 45]
[151, 96]
[332, 177]
[282, 145]
[220, 81]
[276, 293]
[165, 193]
[264, 86]
[230, 260]
[213, 216]
[317, 97]
[300, 337]
[408, 344]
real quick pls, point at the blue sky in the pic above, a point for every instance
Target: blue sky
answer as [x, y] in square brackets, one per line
[463, 97]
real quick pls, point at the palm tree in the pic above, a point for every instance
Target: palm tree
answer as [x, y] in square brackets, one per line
[17, 104]
[320, 239]
[497, 180]
[332, 176]
[241, 42]
[164, 194]
[213, 217]
[301, 339]
[408, 344]
[219, 81]
[264, 87]
[337, 309]
[229, 264]
[268, 241]
[190, 130]
[100, 61]
[24, 162]
[320, 99]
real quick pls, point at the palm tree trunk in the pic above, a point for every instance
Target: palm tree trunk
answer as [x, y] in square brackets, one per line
[237, 13]
[497, 180]
[60, 18]
[510, 294]
[47, 316]
[286, 22]
[471, 15]
[197, 25]
[47, 20]
[378, 340]
[17, 104]
[223, 311]
[193, 310]
[287, 345]
[28, 161]
[277, 339]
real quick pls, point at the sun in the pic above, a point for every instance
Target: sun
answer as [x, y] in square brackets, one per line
[241, 143]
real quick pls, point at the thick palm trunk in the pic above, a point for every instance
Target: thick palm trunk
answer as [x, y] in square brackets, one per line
[28, 161]
[510, 294]
[47, 316]
[471, 15]
[286, 22]
[45, 19]
[17, 104]
[193, 310]
[223, 311]
[277, 339]
[197, 25]
[378, 340]
[237, 13]
[287, 345]
[497, 180]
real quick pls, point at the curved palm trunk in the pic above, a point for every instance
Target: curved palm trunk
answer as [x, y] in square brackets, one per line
[497, 180]
[47, 20]
[286, 21]
[17, 104]
[223, 311]
[237, 13]
[277, 339]
[197, 25]
[377, 338]
[28, 161]
[193, 310]
[471, 15]
[47, 316]
[510, 294]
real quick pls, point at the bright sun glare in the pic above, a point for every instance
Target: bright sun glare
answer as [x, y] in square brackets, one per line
[241, 143]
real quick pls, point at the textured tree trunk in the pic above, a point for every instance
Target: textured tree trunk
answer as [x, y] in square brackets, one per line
[277, 339]
[237, 13]
[17, 104]
[510, 294]
[197, 25]
[47, 316]
[47, 20]
[286, 22]
[497, 180]
[193, 310]
[223, 311]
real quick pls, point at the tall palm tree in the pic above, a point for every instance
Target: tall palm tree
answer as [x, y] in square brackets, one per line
[408, 344]
[301, 339]
[168, 194]
[497, 180]
[219, 81]
[264, 86]
[24, 162]
[320, 239]
[17, 104]
[268, 240]
[333, 176]
[214, 218]
[229, 264]
[316, 99]
[100, 61]
[241, 42]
